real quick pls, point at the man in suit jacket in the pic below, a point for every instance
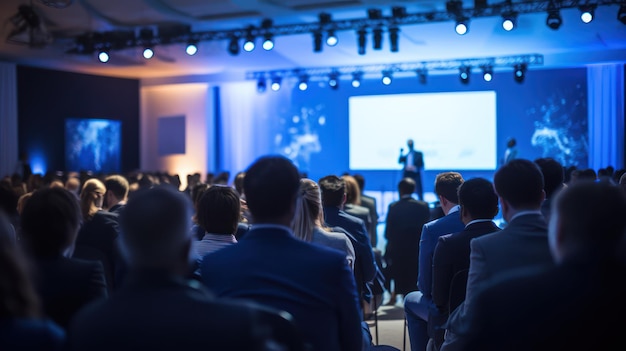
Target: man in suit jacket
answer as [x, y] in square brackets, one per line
[157, 308]
[479, 204]
[333, 191]
[50, 223]
[272, 267]
[521, 244]
[417, 303]
[370, 203]
[412, 165]
[405, 219]
[577, 304]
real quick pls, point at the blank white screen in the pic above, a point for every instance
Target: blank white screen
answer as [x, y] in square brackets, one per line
[455, 131]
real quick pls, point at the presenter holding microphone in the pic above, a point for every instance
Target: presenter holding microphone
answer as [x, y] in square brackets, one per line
[413, 163]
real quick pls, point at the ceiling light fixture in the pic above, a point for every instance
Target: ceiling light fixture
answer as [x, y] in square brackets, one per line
[103, 56]
[331, 38]
[378, 38]
[249, 45]
[554, 19]
[356, 79]
[509, 21]
[362, 40]
[333, 80]
[317, 41]
[422, 75]
[276, 83]
[462, 26]
[304, 82]
[587, 12]
[464, 74]
[387, 77]
[621, 14]
[519, 72]
[393, 39]
[487, 73]
[233, 45]
[192, 47]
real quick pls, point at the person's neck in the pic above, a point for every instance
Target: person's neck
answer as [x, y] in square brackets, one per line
[447, 207]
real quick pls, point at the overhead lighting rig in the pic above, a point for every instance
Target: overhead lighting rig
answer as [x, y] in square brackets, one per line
[376, 22]
[332, 75]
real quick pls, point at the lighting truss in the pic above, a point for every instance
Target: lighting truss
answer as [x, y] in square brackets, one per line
[322, 73]
[89, 42]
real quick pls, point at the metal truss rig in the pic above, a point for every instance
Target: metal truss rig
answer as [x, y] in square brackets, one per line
[422, 67]
[163, 35]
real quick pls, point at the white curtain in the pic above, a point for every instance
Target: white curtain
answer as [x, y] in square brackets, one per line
[605, 84]
[8, 119]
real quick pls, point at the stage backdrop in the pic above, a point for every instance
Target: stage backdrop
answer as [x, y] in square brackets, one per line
[546, 114]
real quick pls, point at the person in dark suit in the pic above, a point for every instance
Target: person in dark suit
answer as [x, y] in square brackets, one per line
[50, 222]
[553, 174]
[479, 205]
[370, 203]
[412, 165]
[405, 219]
[418, 303]
[116, 194]
[353, 205]
[157, 308]
[333, 199]
[521, 244]
[576, 304]
[271, 266]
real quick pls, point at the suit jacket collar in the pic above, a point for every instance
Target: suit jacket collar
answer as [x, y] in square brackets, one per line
[480, 226]
[529, 224]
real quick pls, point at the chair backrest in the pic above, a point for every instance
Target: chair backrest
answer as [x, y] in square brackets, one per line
[457, 289]
[278, 331]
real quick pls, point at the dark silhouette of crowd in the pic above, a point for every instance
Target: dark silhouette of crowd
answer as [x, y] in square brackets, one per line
[276, 261]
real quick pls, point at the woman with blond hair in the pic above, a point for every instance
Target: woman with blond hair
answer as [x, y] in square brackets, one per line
[308, 221]
[97, 239]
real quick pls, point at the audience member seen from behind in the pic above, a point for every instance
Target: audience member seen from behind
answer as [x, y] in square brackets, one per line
[370, 203]
[97, 238]
[157, 308]
[417, 304]
[197, 191]
[308, 222]
[451, 260]
[218, 216]
[271, 266]
[405, 219]
[353, 206]
[50, 223]
[578, 304]
[23, 326]
[553, 175]
[116, 195]
[522, 244]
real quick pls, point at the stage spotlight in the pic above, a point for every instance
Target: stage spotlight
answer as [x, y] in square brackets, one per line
[276, 83]
[233, 46]
[464, 74]
[519, 73]
[317, 41]
[148, 53]
[356, 79]
[509, 21]
[586, 12]
[393, 38]
[333, 80]
[248, 44]
[374, 14]
[362, 40]
[462, 26]
[103, 56]
[554, 19]
[261, 85]
[487, 73]
[192, 48]
[422, 75]
[378, 38]
[268, 41]
[331, 38]
[398, 11]
[621, 14]
[386, 77]
[304, 83]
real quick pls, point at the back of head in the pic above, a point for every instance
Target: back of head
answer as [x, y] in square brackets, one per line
[553, 175]
[238, 182]
[477, 196]
[271, 187]
[360, 180]
[309, 213]
[91, 197]
[117, 185]
[50, 221]
[520, 183]
[333, 190]
[591, 218]
[406, 186]
[155, 228]
[447, 185]
[219, 210]
[353, 192]
[17, 294]
[196, 193]
[73, 184]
